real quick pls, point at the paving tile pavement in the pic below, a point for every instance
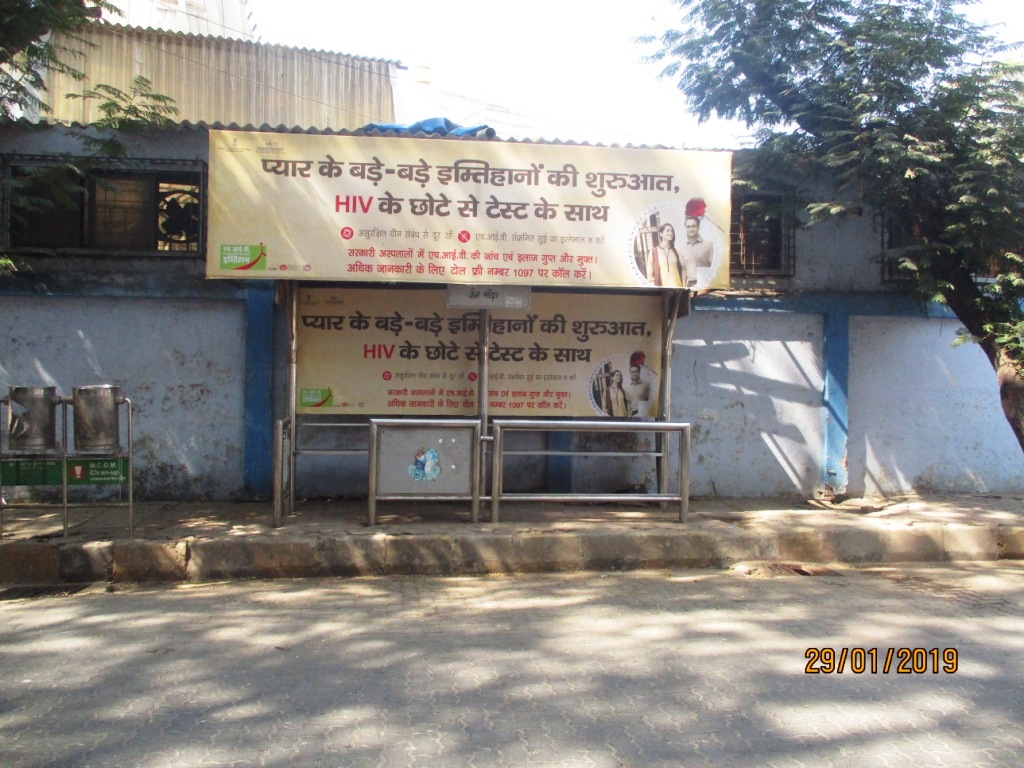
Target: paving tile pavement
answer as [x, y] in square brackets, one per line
[651, 669]
[329, 537]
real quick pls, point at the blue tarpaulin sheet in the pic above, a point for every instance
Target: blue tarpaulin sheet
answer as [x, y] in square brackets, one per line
[441, 126]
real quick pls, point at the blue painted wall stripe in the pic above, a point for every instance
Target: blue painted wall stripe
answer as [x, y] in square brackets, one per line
[835, 401]
[259, 366]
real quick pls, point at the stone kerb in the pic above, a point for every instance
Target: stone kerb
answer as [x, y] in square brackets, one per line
[494, 551]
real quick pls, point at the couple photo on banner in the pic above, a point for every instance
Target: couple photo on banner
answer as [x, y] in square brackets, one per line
[618, 396]
[665, 259]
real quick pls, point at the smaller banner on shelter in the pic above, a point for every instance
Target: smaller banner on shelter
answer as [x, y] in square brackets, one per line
[404, 210]
[405, 353]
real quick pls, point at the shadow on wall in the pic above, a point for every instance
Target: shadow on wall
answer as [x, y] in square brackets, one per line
[753, 391]
[925, 413]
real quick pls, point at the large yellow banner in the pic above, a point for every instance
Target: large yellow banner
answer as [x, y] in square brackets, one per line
[400, 352]
[372, 209]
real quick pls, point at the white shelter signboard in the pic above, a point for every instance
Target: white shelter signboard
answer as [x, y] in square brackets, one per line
[372, 209]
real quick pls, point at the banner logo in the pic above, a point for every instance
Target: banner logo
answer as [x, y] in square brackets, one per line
[243, 257]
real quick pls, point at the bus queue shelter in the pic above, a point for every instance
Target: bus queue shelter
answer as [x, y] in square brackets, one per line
[455, 284]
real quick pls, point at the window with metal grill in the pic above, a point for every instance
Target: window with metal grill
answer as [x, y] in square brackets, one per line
[897, 243]
[123, 211]
[763, 233]
[895, 240]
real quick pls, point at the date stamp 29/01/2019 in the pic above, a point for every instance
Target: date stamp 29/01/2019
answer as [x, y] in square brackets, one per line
[902, 661]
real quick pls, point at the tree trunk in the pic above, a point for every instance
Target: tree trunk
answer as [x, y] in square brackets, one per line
[1011, 394]
[964, 298]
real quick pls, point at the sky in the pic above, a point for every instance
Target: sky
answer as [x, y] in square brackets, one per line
[549, 69]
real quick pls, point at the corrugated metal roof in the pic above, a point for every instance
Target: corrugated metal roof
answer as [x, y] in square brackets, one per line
[228, 81]
[188, 125]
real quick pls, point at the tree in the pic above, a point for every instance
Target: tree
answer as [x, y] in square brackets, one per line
[27, 50]
[28, 53]
[899, 106]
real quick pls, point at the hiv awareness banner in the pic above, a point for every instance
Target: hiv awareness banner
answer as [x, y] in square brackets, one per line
[391, 351]
[385, 209]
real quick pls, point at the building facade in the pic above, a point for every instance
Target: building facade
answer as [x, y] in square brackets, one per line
[813, 375]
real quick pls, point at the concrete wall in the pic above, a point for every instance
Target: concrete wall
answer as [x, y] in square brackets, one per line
[194, 356]
[179, 361]
[915, 411]
[925, 414]
[845, 257]
[751, 385]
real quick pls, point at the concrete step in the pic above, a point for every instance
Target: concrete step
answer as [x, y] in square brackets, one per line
[217, 541]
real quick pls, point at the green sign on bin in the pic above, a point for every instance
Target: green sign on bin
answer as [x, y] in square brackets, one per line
[97, 471]
[81, 471]
[30, 472]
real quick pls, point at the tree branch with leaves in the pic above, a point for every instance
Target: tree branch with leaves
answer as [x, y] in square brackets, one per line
[28, 54]
[28, 51]
[900, 107]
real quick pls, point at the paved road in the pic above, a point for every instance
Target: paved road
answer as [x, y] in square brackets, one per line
[637, 669]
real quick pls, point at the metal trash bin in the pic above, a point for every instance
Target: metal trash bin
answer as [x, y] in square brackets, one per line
[32, 418]
[96, 422]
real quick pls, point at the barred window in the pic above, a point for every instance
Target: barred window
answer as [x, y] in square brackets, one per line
[763, 234]
[145, 211]
[894, 239]
[896, 242]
